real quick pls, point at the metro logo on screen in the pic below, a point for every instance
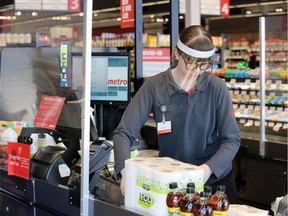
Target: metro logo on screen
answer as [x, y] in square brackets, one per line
[117, 82]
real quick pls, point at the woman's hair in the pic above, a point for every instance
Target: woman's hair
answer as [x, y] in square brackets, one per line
[195, 37]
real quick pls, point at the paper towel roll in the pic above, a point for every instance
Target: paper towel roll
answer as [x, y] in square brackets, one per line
[244, 210]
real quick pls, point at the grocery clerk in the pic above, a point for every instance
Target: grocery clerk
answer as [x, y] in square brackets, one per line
[193, 111]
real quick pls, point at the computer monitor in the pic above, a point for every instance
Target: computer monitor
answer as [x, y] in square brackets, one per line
[110, 77]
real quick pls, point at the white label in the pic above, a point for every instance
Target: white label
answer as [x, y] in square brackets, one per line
[272, 93]
[272, 108]
[247, 81]
[271, 124]
[242, 121]
[252, 92]
[257, 123]
[64, 170]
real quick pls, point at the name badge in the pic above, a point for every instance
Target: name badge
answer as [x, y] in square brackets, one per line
[164, 127]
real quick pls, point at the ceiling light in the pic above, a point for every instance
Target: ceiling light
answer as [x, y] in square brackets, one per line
[18, 13]
[119, 19]
[279, 9]
[34, 14]
[181, 17]
[81, 14]
[248, 12]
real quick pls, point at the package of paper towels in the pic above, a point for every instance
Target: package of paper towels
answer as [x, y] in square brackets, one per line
[245, 210]
[147, 182]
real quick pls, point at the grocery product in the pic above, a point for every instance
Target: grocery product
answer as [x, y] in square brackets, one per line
[219, 202]
[173, 199]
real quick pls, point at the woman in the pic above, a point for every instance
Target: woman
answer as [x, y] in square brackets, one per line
[193, 111]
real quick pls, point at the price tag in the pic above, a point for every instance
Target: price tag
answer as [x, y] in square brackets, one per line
[236, 92]
[272, 108]
[271, 124]
[233, 81]
[285, 126]
[251, 107]
[266, 108]
[278, 82]
[242, 106]
[277, 127]
[279, 109]
[247, 81]
[272, 93]
[286, 109]
[257, 107]
[244, 92]
[249, 123]
[242, 121]
[257, 123]
[268, 82]
[252, 92]
[266, 123]
[235, 106]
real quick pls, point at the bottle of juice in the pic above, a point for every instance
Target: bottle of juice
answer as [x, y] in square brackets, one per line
[202, 206]
[187, 202]
[219, 202]
[208, 189]
[173, 199]
[196, 194]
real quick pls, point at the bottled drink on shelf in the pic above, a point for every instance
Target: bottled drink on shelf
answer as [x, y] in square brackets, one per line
[173, 199]
[8, 135]
[219, 202]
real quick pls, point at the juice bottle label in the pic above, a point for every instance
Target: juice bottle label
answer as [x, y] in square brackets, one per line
[219, 213]
[175, 211]
[186, 214]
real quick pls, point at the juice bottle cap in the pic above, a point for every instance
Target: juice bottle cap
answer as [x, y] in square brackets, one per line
[173, 185]
[221, 188]
[208, 188]
[190, 184]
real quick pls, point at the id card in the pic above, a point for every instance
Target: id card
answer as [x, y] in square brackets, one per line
[164, 127]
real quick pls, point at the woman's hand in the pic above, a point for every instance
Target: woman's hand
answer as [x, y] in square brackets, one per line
[207, 172]
[122, 184]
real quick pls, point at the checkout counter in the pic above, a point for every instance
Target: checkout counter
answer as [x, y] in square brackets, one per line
[37, 73]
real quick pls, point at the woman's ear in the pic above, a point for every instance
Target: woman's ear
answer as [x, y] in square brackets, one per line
[176, 53]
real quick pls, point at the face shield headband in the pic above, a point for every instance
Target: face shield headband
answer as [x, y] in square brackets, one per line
[195, 53]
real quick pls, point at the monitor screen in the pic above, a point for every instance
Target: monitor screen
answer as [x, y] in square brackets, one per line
[110, 77]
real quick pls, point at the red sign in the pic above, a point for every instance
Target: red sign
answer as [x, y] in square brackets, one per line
[156, 55]
[225, 8]
[19, 160]
[155, 61]
[49, 111]
[74, 6]
[127, 13]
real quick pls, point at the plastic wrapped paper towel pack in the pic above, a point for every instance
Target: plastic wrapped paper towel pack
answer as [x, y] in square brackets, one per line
[147, 182]
[244, 210]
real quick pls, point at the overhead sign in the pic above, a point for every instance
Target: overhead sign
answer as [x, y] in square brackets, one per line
[225, 8]
[48, 5]
[127, 13]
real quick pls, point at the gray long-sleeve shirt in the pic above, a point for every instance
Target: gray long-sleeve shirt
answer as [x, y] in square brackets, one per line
[204, 129]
